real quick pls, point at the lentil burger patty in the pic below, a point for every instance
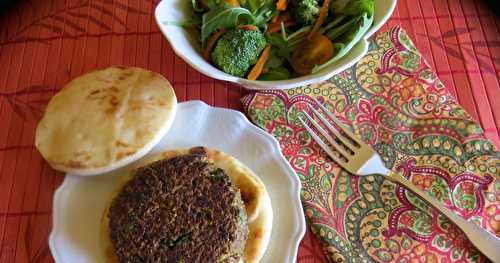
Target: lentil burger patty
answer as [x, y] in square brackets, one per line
[181, 209]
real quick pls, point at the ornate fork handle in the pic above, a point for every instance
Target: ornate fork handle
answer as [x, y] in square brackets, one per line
[487, 243]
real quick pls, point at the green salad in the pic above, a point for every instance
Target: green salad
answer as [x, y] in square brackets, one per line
[278, 39]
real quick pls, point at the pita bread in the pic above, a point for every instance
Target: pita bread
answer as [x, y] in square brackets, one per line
[105, 119]
[253, 192]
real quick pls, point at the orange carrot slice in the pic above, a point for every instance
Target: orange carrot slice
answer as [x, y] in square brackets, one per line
[211, 43]
[259, 66]
[248, 27]
[323, 13]
[281, 5]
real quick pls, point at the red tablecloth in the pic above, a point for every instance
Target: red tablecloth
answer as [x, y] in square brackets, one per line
[43, 44]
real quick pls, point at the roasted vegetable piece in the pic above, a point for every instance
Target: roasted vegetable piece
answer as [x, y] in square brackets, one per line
[315, 50]
[304, 11]
[237, 50]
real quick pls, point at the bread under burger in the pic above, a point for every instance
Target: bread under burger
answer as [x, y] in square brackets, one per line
[196, 205]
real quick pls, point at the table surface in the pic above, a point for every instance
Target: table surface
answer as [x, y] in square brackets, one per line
[44, 44]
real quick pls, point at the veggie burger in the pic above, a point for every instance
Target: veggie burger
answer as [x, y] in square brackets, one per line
[196, 205]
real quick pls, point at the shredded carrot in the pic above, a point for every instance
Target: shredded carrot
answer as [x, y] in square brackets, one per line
[211, 43]
[281, 5]
[248, 27]
[323, 13]
[275, 18]
[234, 3]
[257, 69]
[276, 25]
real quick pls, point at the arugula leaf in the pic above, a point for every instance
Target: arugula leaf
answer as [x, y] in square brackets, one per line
[300, 32]
[264, 13]
[351, 38]
[332, 24]
[348, 25]
[224, 16]
[187, 23]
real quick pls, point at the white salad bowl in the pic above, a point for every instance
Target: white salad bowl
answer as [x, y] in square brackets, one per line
[186, 45]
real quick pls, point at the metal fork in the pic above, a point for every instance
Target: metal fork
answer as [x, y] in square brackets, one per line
[359, 158]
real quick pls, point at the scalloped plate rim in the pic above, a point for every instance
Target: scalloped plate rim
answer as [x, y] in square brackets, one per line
[268, 141]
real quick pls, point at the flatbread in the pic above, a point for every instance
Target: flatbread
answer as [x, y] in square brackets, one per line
[253, 192]
[105, 119]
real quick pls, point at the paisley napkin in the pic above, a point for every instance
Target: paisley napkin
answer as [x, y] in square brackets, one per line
[394, 101]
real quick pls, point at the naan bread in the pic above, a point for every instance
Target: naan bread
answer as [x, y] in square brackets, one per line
[253, 192]
[105, 119]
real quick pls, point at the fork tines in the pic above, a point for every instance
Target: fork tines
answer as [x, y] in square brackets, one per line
[344, 145]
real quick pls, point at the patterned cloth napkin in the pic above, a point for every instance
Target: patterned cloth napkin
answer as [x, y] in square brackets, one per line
[395, 102]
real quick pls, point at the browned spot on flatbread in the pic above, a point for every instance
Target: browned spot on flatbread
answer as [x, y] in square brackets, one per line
[125, 74]
[258, 233]
[247, 196]
[94, 92]
[119, 143]
[113, 102]
[82, 155]
[122, 155]
[113, 89]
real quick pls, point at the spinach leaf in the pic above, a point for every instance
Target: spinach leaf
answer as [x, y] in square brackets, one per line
[337, 5]
[256, 5]
[350, 38]
[356, 7]
[275, 60]
[214, 3]
[353, 7]
[278, 73]
[224, 16]
[283, 47]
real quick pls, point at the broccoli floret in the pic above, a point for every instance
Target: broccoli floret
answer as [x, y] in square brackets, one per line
[237, 50]
[305, 11]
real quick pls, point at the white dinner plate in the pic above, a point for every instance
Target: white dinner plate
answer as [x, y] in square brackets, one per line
[80, 201]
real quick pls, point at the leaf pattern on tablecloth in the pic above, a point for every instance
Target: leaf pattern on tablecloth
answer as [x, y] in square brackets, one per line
[74, 21]
[448, 41]
[27, 107]
[393, 101]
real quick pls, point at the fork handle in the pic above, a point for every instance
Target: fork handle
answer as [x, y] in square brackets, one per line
[485, 242]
